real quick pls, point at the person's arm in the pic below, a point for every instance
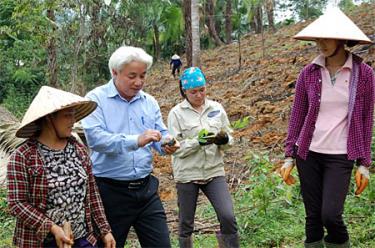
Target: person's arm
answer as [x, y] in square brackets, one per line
[297, 117]
[368, 118]
[101, 140]
[226, 128]
[160, 126]
[19, 200]
[187, 146]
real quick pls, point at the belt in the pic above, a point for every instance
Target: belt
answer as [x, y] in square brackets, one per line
[132, 184]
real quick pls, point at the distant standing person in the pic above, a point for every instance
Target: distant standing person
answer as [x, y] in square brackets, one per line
[122, 133]
[198, 164]
[330, 127]
[176, 65]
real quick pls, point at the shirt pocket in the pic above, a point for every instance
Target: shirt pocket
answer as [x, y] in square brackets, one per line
[189, 130]
[148, 122]
[35, 171]
[214, 124]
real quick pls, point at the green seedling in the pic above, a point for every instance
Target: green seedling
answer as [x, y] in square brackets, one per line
[203, 135]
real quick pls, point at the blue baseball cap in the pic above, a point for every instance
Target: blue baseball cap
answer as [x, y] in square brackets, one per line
[192, 77]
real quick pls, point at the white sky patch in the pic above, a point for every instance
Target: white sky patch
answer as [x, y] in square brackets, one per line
[282, 15]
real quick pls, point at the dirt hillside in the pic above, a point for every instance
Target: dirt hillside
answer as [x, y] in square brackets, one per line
[263, 89]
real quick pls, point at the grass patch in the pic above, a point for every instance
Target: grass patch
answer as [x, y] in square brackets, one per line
[269, 213]
[7, 222]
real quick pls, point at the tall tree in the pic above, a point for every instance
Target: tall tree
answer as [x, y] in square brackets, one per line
[346, 5]
[269, 6]
[306, 9]
[228, 22]
[254, 14]
[76, 83]
[51, 46]
[188, 32]
[195, 37]
[210, 17]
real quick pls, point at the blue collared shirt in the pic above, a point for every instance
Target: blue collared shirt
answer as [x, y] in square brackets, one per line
[112, 132]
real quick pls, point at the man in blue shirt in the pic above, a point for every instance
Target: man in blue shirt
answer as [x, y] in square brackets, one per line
[121, 133]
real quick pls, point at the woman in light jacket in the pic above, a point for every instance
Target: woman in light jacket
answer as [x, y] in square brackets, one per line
[330, 127]
[198, 164]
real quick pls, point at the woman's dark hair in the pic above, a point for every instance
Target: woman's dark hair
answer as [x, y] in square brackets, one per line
[182, 92]
[39, 123]
[351, 43]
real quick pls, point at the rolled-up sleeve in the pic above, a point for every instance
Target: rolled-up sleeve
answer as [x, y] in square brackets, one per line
[188, 146]
[160, 126]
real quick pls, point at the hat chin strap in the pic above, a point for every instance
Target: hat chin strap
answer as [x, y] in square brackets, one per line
[55, 130]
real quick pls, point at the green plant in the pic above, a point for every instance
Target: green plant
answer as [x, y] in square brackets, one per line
[7, 222]
[241, 123]
[203, 135]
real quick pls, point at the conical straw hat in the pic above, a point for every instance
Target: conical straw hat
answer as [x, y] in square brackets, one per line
[49, 100]
[175, 56]
[334, 24]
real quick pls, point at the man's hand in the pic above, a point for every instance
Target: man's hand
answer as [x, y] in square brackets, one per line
[362, 176]
[109, 241]
[148, 136]
[170, 145]
[60, 237]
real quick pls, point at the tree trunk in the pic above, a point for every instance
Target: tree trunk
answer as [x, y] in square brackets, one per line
[156, 41]
[210, 10]
[228, 22]
[270, 5]
[75, 82]
[195, 37]
[188, 32]
[51, 51]
[258, 18]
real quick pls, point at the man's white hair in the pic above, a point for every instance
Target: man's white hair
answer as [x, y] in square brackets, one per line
[126, 54]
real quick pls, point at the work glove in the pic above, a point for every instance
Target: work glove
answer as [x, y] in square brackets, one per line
[286, 169]
[221, 138]
[362, 177]
[207, 139]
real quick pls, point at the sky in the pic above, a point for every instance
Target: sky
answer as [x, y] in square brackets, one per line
[331, 4]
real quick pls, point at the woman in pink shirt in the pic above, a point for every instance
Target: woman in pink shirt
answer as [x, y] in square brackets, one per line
[330, 127]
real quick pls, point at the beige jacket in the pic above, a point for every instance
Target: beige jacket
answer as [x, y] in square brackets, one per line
[193, 161]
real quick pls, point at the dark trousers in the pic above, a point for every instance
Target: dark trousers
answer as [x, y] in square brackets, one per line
[78, 243]
[127, 206]
[217, 193]
[325, 181]
[174, 69]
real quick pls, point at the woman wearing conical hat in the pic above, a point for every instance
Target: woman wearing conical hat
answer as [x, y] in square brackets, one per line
[330, 127]
[50, 179]
[176, 64]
